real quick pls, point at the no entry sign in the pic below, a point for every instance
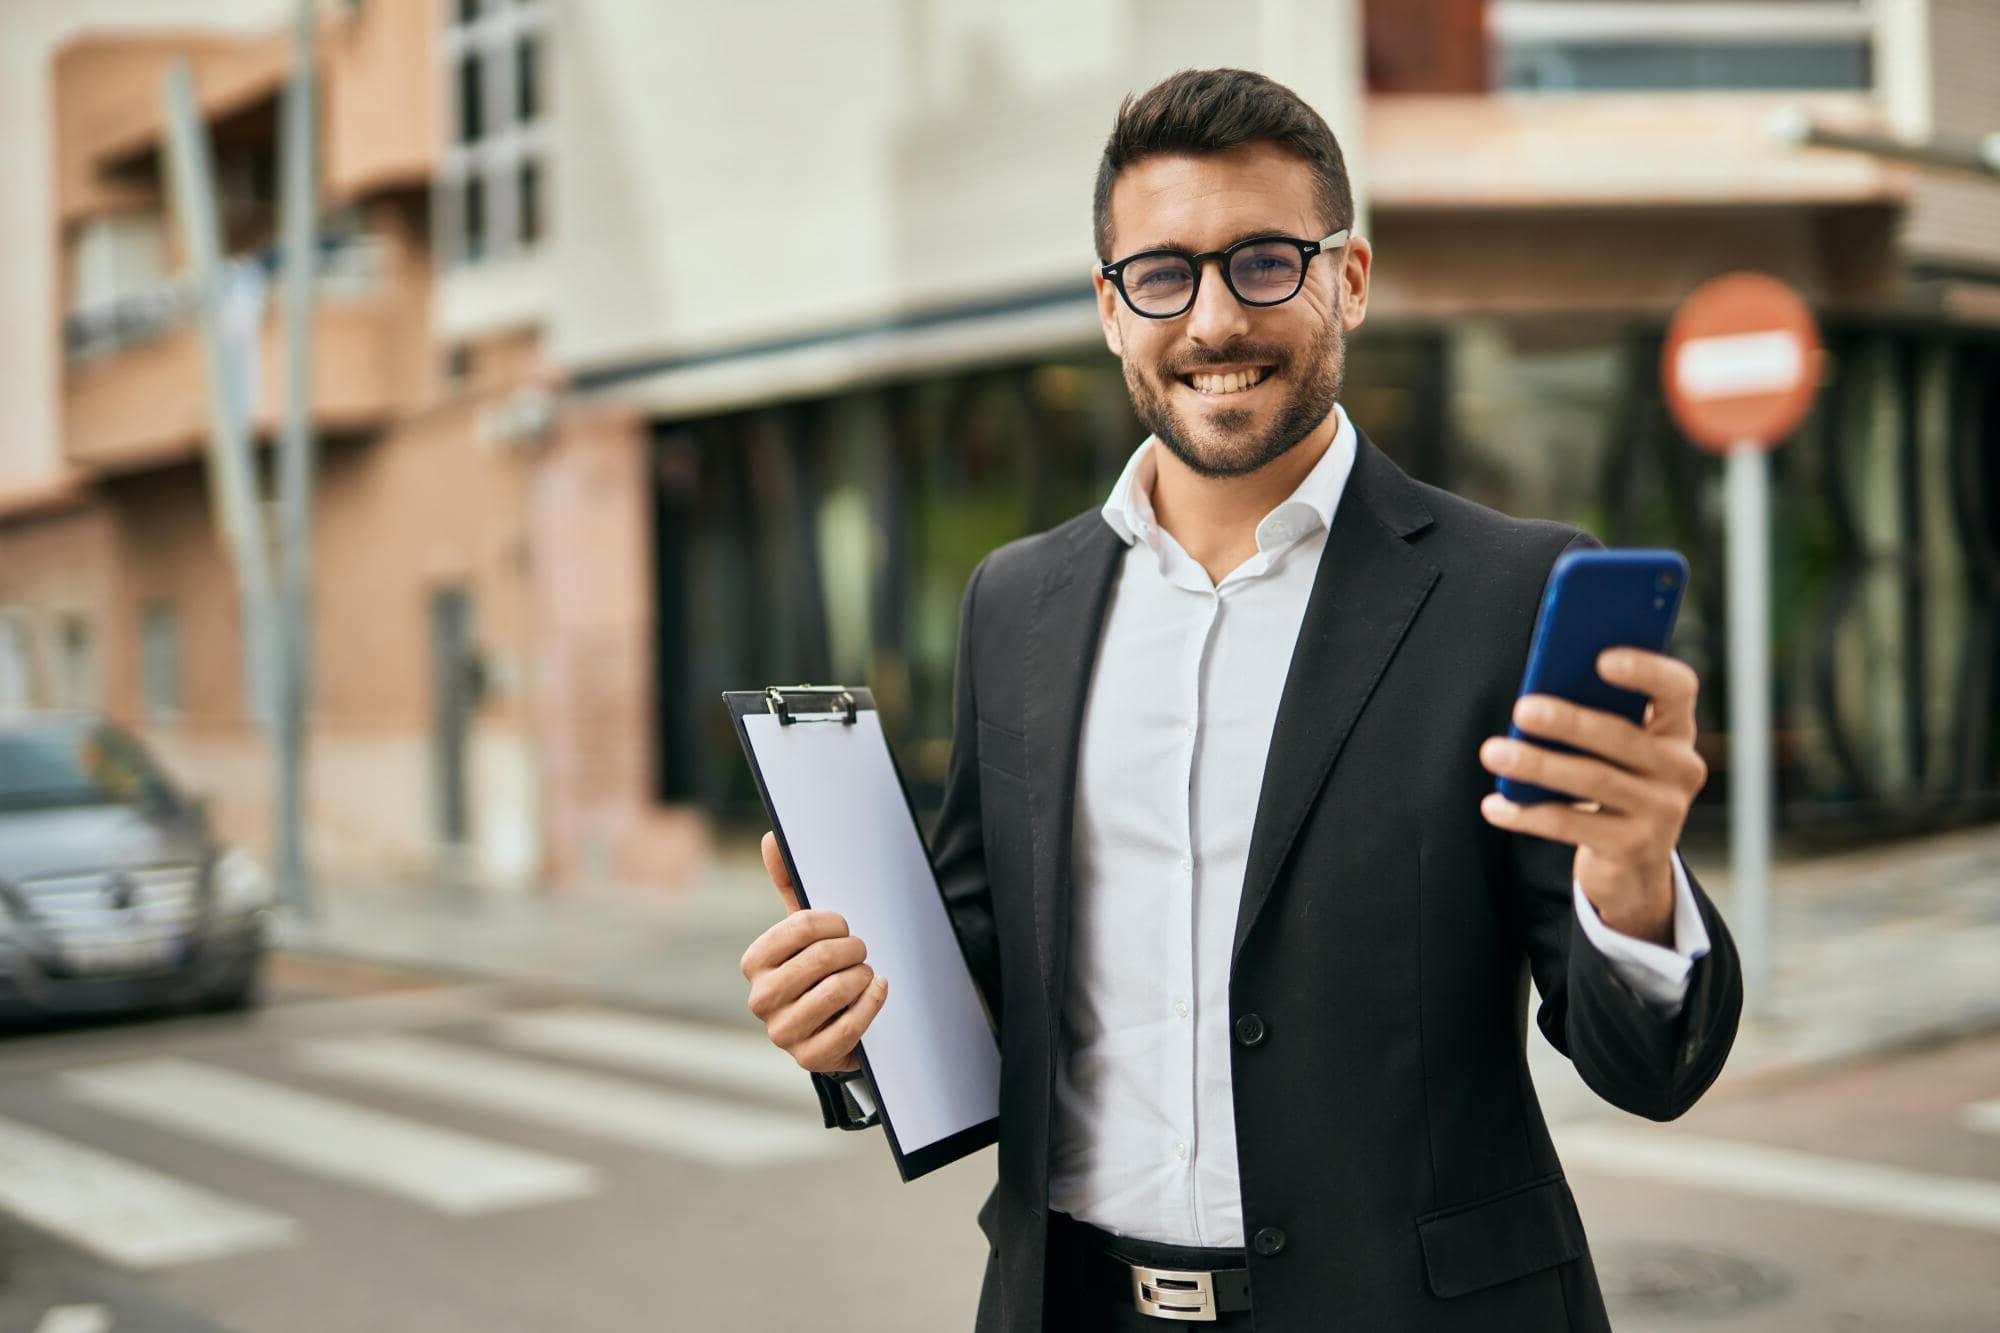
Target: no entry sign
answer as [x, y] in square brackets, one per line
[1741, 362]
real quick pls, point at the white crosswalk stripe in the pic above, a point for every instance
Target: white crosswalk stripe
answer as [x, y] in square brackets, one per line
[75, 1319]
[122, 1211]
[740, 1104]
[1782, 1174]
[685, 1125]
[1983, 1116]
[453, 1173]
[739, 1061]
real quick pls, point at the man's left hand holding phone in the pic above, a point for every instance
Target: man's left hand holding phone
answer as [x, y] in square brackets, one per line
[1632, 785]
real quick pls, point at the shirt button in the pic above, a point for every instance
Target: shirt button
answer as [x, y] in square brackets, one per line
[1180, 1007]
[1180, 1149]
[1250, 1030]
[1268, 1240]
[1186, 865]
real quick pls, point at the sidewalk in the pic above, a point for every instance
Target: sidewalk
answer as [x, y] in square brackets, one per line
[1881, 948]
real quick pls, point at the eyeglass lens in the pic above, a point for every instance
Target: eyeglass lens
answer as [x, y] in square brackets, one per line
[1261, 274]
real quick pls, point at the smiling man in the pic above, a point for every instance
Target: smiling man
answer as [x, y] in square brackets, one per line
[1219, 834]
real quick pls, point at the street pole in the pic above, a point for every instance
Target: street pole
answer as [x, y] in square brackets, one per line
[296, 461]
[1750, 776]
[232, 482]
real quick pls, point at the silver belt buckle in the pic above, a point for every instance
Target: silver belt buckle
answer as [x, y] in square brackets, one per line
[1167, 1293]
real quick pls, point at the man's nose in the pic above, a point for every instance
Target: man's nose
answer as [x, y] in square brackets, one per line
[1216, 316]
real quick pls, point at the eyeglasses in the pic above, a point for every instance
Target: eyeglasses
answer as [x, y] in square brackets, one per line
[1260, 270]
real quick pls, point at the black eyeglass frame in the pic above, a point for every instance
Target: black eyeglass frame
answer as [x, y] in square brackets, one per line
[1114, 272]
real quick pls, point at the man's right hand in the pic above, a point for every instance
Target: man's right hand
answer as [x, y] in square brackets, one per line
[808, 983]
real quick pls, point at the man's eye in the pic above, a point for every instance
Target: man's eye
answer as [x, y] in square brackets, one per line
[1160, 278]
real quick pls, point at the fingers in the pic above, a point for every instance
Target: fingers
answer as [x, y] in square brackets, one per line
[787, 938]
[780, 986]
[1604, 734]
[832, 1047]
[1579, 776]
[1668, 759]
[774, 866]
[1616, 835]
[805, 1016]
[1670, 683]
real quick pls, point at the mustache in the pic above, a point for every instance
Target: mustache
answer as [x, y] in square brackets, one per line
[1236, 354]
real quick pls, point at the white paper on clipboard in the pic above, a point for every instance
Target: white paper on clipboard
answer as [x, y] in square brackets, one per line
[835, 794]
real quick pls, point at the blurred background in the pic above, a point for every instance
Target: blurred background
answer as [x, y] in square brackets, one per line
[666, 348]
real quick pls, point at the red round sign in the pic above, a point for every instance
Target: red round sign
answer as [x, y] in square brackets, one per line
[1741, 362]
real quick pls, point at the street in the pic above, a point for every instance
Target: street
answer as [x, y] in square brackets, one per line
[392, 1149]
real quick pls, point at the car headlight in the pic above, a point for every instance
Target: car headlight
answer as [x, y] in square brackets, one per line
[240, 883]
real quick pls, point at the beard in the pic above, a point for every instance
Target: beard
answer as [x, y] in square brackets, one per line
[1223, 443]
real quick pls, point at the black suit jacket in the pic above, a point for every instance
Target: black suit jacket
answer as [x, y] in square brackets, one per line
[1396, 1170]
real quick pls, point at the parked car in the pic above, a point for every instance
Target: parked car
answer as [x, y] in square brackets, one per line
[116, 895]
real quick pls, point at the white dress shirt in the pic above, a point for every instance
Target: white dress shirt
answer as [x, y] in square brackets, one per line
[1176, 729]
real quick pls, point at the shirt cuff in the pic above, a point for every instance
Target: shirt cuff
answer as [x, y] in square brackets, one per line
[1658, 973]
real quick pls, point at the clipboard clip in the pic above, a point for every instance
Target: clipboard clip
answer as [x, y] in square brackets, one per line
[832, 703]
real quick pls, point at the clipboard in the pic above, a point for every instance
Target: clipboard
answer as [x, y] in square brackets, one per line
[850, 839]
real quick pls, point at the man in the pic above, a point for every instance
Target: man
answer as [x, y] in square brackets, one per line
[1219, 832]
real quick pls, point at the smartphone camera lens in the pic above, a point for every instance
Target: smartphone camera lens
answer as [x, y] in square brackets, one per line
[1667, 581]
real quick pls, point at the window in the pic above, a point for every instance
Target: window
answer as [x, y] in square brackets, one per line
[833, 539]
[16, 663]
[492, 182]
[76, 665]
[1559, 46]
[160, 662]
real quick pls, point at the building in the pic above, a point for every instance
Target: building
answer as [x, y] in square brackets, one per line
[668, 349]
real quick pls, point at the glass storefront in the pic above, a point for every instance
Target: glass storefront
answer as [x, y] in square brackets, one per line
[831, 540]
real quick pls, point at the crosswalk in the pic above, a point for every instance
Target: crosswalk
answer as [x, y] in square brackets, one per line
[723, 1100]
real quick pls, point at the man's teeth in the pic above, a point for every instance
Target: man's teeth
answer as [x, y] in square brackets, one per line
[1233, 382]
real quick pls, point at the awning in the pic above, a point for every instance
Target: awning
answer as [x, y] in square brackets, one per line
[818, 364]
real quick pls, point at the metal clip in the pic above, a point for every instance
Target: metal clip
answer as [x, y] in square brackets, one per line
[838, 701]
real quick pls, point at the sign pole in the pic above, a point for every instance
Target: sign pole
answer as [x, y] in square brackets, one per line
[1748, 562]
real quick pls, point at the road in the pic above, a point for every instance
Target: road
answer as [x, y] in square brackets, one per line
[387, 1150]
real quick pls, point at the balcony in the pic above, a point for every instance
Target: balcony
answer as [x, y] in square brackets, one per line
[135, 389]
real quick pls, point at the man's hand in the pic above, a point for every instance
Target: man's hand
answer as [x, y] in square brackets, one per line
[807, 981]
[1633, 786]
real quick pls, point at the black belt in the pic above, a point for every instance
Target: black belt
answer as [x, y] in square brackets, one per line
[1165, 1281]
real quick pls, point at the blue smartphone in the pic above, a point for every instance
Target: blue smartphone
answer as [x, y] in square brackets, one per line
[1596, 600]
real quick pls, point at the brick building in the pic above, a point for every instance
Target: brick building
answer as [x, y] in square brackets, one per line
[666, 349]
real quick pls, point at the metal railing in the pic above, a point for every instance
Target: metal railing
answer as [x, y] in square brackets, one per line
[351, 267]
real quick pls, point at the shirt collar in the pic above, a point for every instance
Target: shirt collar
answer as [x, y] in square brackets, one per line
[1129, 511]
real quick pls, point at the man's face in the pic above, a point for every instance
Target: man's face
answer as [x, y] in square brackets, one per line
[1293, 355]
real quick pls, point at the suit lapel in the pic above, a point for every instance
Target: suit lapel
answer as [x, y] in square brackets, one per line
[1369, 585]
[1060, 653]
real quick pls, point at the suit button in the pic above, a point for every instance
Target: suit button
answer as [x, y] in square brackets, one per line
[1268, 1240]
[1250, 1030]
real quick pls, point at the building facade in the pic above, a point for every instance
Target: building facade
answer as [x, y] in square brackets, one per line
[664, 349]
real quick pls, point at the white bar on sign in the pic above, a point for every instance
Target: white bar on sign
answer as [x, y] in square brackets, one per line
[453, 1173]
[1737, 364]
[122, 1211]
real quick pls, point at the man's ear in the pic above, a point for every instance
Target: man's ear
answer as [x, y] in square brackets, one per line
[1107, 313]
[1356, 264]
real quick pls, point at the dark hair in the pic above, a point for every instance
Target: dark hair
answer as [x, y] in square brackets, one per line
[1211, 111]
